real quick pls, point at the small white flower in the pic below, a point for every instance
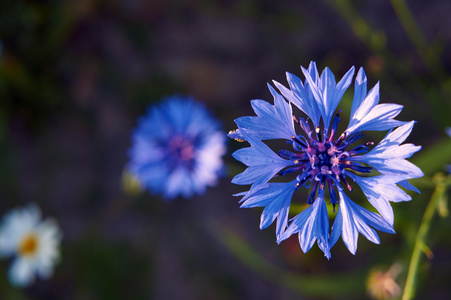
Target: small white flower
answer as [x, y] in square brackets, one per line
[33, 243]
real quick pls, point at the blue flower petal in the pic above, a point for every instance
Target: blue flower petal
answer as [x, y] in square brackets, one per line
[379, 118]
[333, 94]
[178, 183]
[366, 113]
[388, 157]
[364, 107]
[272, 121]
[298, 95]
[312, 225]
[327, 93]
[262, 163]
[276, 198]
[380, 191]
[396, 167]
[408, 186]
[360, 91]
[311, 83]
[352, 219]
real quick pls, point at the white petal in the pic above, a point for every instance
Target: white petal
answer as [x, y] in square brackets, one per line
[21, 272]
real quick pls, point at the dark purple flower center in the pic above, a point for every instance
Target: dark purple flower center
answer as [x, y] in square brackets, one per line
[181, 150]
[321, 160]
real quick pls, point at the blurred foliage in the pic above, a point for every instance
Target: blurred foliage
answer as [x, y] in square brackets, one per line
[103, 268]
[32, 35]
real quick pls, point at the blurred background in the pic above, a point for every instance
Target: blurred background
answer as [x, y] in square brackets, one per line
[75, 75]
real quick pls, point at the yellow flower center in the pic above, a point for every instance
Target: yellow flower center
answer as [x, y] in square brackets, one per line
[28, 245]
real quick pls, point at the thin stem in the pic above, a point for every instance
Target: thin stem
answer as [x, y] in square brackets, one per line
[429, 54]
[358, 24]
[420, 246]
[411, 28]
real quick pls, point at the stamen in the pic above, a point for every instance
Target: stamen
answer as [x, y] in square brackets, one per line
[332, 150]
[354, 137]
[336, 171]
[303, 178]
[344, 155]
[297, 140]
[310, 136]
[334, 128]
[358, 150]
[313, 161]
[356, 167]
[318, 177]
[288, 154]
[341, 138]
[305, 126]
[323, 179]
[314, 144]
[321, 147]
[343, 145]
[318, 134]
[333, 195]
[312, 195]
[343, 179]
[289, 170]
[296, 147]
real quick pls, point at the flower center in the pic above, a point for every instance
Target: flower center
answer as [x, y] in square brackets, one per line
[323, 161]
[181, 148]
[28, 246]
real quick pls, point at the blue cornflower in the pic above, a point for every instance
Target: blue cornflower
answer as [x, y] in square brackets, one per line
[324, 161]
[177, 148]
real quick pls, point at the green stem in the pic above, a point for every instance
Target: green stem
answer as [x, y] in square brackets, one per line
[409, 288]
[358, 24]
[410, 27]
[428, 54]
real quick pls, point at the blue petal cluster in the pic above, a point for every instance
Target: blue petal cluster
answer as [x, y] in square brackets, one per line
[177, 148]
[324, 161]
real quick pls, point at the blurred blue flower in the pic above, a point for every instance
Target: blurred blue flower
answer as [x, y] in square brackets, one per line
[177, 148]
[324, 161]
